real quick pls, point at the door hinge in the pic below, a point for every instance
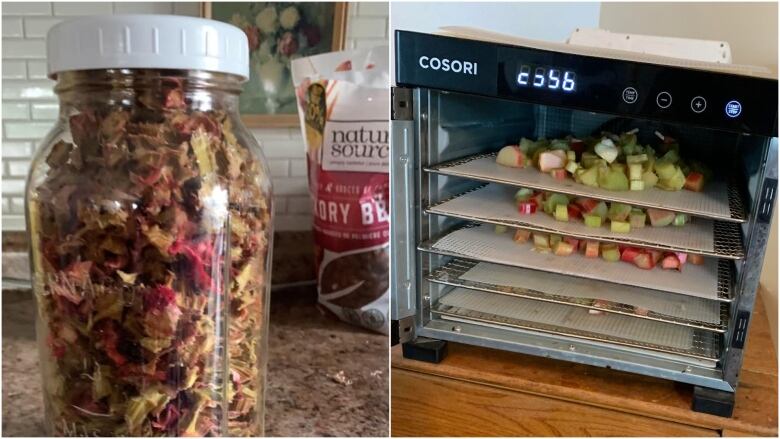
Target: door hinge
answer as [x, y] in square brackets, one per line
[402, 103]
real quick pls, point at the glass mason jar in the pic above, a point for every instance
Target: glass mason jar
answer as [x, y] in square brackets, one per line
[150, 225]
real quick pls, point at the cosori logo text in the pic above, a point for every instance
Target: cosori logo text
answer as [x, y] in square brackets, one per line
[448, 65]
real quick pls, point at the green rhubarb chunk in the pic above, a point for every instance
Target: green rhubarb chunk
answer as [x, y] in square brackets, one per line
[589, 177]
[671, 156]
[620, 226]
[554, 200]
[618, 167]
[555, 239]
[637, 219]
[676, 182]
[665, 169]
[613, 180]
[601, 210]
[610, 252]
[571, 155]
[635, 171]
[500, 229]
[680, 219]
[541, 241]
[592, 220]
[636, 159]
[618, 211]
[523, 194]
[527, 146]
[572, 166]
[562, 212]
[650, 179]
[637, 185]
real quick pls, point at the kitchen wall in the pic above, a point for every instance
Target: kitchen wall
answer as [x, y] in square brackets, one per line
[30, 107]
[751, 31]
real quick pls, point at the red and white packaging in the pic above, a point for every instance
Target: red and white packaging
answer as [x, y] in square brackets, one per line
[344, 109]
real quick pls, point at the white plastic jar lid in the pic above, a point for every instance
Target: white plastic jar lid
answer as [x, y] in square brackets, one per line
[147, 42]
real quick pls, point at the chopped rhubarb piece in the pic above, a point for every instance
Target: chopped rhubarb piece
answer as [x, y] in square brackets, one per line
[620, 226]
[607, 150]
[558, 174]
[573, 241]
[574, 211]
[636, 185]
[511, 156]
[554, 239]
[696, 259]
[572, 166]
[640, 311]
[670, 262]
[638, 158]
[610, 252]
[637, 219]
[586, 204]
[660, 218]
[554, 200]
[618, 211]
[592, 249]
[563, 248]
[499, 229]
[578, 146]
[680, 219]
[694, 181]
[561, 212]
[635, 171]
[592, 220]
[644, 261]
[527, 207]
[655, 255]
[550, 160]
[521, 236]
[682, 257]
[541, 241]
[629, 253]
[523, 194]
[571, 156]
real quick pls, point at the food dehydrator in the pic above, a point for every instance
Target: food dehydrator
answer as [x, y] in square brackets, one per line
[460, 98]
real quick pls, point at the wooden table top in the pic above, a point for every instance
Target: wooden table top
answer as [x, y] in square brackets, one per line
[755, 411]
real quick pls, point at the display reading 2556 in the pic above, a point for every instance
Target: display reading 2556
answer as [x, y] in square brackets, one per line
[542, 77]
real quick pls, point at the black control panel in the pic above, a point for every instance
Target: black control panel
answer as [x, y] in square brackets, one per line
[625, 88]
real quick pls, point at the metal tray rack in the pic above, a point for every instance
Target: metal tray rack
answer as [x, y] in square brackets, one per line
[454, 273]
[492, 203]
[719, 200]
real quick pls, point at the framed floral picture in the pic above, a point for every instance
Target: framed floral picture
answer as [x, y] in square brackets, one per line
[279, 32]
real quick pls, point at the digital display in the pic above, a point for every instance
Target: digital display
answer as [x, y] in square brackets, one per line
[550, 78]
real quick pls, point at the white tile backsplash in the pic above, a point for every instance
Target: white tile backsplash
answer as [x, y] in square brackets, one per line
[28, 90]
[16, 110]
[12, 149]
[26, 8]
[44, 110]
[83, 8]
[36, 27]
[24, 49]
[12, 27]
[30, 106]
[14, 69]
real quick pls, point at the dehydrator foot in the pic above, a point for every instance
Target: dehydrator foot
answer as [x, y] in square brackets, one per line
[425, 349]
[713, 402]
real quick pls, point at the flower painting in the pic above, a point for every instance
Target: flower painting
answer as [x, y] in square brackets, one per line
[279, 32]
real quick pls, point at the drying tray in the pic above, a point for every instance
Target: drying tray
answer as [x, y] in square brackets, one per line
[493, 203]
[712, 280]
[586, 293]
[472, 306]
[718, 200]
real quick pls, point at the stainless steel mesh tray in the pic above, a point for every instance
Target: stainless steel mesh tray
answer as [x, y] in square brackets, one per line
[479, 307]
[493, 203]
[718, 200]
[480, 242]
[590, 294]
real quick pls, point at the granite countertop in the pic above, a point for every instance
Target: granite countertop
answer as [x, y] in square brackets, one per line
[325, 378]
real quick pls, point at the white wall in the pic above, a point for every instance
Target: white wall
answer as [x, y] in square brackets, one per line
[30, 107]
[542, 21]
[751, 31]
